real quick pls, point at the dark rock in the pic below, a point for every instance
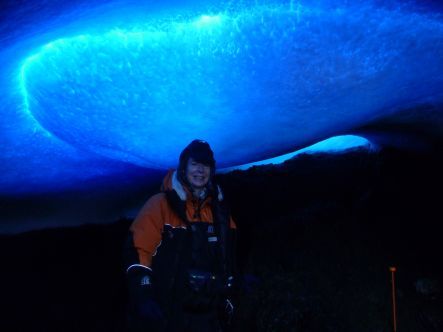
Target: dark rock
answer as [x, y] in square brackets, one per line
[317, 235]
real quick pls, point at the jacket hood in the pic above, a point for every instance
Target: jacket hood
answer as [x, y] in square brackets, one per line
[171, 182]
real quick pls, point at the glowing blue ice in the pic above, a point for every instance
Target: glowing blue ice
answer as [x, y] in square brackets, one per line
[338, 144]
[256, 81]
[282, 75]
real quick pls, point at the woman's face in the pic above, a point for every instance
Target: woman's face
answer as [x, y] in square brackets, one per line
[197, 174]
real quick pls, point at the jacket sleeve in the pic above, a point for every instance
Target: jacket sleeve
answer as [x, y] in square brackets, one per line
[145, 233]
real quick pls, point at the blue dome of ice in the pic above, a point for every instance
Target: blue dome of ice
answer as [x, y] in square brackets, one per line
[91, 90]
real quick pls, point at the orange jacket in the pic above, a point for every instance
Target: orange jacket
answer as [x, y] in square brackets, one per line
[147, 229]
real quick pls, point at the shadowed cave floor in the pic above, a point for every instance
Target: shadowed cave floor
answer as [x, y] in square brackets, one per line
[316, 237]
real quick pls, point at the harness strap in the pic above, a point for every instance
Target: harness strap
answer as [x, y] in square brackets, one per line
[220, 216]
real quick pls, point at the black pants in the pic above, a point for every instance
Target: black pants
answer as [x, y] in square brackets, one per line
[198, 322]
[182, 322]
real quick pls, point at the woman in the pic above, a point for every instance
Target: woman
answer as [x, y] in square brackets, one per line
[181, 251]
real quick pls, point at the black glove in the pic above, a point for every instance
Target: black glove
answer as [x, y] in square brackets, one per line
[143, 304]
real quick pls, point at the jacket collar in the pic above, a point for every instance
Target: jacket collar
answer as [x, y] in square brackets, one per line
[171, 182]
[178, 187]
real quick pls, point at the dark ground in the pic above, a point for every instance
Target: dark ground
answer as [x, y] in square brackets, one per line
[317, 236]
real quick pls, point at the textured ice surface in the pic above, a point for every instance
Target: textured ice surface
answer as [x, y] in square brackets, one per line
[337, 144]
[256, 81]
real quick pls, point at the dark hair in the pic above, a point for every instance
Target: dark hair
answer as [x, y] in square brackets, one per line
[201, 152]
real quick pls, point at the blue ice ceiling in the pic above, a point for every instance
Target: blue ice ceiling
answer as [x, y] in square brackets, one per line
[107, 89]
